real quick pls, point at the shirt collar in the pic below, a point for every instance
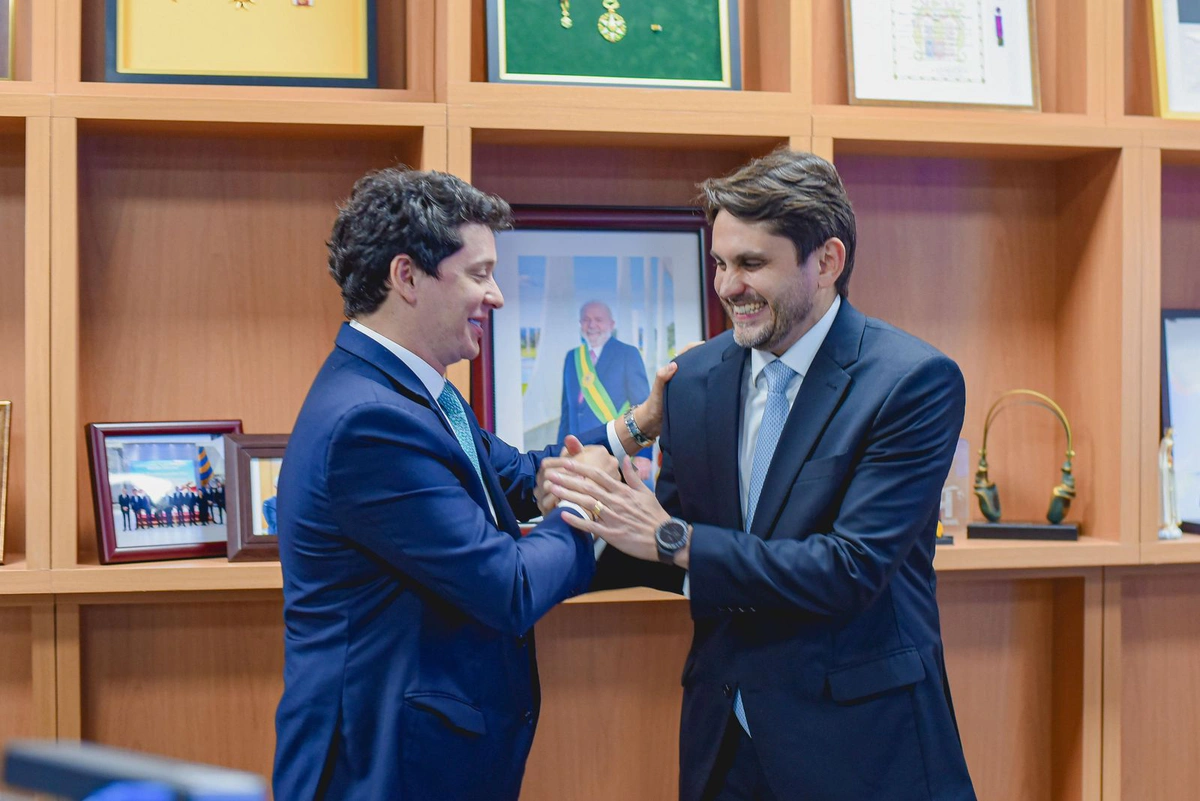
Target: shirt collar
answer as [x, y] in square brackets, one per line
[424, 371]
[800, 355]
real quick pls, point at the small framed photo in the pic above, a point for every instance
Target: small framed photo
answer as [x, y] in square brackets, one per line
[1181, 407]
[159, 489]
[7, 30]
[5, 441]
[663, 43]
[254, 463]
[272, 42]
[943, 53]
[595, 301]
[1175, 43]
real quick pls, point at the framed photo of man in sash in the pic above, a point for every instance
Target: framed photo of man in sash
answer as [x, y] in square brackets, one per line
[595, 301]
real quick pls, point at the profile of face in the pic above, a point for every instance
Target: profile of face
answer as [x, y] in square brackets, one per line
[454, 305]
[768, 293]
[596, 324]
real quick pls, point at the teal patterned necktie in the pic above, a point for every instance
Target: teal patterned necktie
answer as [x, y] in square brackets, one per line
[453, 408]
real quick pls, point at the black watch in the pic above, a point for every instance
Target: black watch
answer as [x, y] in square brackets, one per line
[671, 537]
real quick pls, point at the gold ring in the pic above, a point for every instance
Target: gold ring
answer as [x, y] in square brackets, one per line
[597, 510]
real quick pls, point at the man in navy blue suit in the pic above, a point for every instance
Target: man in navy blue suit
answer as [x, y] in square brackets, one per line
[409, 592]
[602, 378]
[804, 454]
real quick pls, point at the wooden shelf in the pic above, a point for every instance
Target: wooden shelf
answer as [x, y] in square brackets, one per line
[17, 579]
[188, 575]
[975, 554]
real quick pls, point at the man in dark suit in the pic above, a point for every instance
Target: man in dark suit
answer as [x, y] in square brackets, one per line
[602, 378]
[409, 592]
[803, 457]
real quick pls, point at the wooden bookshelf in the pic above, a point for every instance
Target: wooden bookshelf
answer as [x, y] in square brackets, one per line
[166, 261]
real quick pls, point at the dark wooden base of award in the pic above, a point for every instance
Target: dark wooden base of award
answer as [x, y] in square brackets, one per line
[1066, 532]
[945, 539]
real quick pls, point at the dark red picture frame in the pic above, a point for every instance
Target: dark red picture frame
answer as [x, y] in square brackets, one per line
[588, 219]
[240, 450]
[97, 435]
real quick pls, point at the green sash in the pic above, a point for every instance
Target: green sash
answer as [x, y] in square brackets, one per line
[593, 390]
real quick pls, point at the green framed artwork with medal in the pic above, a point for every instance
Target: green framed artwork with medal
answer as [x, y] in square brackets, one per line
[653, 43]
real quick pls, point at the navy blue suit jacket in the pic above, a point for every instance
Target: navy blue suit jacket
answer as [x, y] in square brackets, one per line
[824, 615]
[409, 668]
[619, 369]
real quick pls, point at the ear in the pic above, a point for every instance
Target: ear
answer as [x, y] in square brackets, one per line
[831, 259]
[402, 277]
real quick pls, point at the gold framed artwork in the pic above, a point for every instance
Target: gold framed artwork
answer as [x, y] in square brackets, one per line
[1175, 45]
[949, 53]
[275, 42]
[5, 440]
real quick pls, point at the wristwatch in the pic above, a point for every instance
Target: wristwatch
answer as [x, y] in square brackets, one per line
[632, 427]
[671, 537]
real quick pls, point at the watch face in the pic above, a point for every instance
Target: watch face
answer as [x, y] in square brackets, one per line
[671, 534]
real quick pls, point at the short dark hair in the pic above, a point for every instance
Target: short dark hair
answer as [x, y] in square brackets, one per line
[398, 210]
[799, 195]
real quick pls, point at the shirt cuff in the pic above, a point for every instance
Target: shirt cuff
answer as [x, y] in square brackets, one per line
[687, 585]
[614, 441]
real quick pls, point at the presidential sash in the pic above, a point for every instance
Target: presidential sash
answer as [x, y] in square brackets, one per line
[592, 390]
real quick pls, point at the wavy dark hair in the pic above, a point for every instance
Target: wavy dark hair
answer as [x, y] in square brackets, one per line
[799, 196]
[401, 211]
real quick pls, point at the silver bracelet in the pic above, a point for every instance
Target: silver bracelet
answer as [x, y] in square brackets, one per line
[641, 439]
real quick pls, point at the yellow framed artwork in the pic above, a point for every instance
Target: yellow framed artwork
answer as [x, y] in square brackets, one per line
[1175, 43]
[274, 42]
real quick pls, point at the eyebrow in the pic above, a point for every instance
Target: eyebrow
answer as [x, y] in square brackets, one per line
[740, 257]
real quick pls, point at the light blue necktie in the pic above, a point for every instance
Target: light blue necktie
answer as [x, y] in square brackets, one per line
[453, 408]
[778, 376]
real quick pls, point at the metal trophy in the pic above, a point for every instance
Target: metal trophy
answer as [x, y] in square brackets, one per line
[1168, 503]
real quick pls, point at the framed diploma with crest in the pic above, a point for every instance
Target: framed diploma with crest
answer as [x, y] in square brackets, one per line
[276, 42]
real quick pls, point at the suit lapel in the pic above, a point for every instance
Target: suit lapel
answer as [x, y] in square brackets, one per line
[724, 420]
[506, 520]
[821, 393]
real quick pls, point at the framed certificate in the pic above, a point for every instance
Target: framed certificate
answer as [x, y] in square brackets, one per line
[942, 52]
[277, 42]
[665, 43]
[1175, 42]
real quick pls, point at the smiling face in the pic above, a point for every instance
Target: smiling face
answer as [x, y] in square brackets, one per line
[771, 297]
[596, 324]
[452, 307]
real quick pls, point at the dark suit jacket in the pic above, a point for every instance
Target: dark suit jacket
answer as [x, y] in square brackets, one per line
[825, 615]
[409, 661]
[619, 369]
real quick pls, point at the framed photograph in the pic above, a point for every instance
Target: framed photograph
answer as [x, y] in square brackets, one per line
[159, 489]
[254, 462]
[943, 53]
[665, 43]
[1175, 44]
[1181, 407]
[5, 440]
[595, 301]
[274, 42]
[7, 29]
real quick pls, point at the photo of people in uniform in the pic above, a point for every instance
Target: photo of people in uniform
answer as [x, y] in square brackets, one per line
[167, 489]
[588, 318]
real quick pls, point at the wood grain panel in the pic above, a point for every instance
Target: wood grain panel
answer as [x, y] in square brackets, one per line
[1180, 236]
[1160, 683]
[1000, 655]
[12, 333]
[610, 702]
[203, 287]
[193, 681]
[629, 176]
[16, 674]
[966, 255]
[1139, 62]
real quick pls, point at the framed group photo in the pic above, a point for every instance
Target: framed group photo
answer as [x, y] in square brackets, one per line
[1181, 407]
[254, 461]
[595, 301]
[159, 489]
[1175, 45]
[943, 53]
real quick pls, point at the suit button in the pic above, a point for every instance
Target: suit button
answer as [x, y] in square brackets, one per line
[523, 640]
[728, 690]
[529, 717]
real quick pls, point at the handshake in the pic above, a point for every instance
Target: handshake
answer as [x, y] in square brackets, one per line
[617, 505]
